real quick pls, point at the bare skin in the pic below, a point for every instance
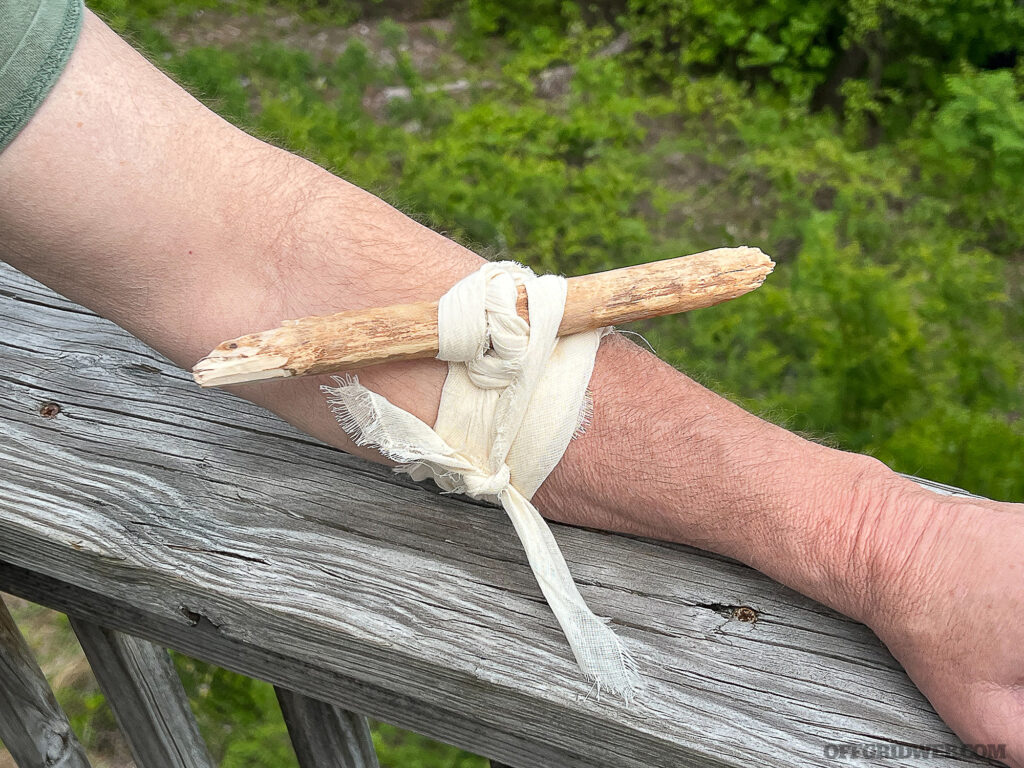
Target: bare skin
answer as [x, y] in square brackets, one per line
[128, 196]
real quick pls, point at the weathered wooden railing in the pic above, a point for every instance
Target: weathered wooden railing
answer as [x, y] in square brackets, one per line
[156, 515]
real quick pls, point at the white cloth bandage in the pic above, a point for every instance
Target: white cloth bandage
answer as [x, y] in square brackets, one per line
[514, 397]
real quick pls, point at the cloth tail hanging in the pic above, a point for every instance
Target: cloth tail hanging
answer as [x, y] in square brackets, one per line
[514, 397]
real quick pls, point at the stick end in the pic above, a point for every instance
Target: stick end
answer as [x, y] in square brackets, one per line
[229, 364]
[757, 257]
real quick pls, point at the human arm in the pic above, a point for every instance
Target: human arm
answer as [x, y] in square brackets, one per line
[131, 198]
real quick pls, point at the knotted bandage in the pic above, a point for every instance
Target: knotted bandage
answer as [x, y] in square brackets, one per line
[515, 395]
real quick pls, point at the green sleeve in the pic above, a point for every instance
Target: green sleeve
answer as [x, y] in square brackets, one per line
[36, 39]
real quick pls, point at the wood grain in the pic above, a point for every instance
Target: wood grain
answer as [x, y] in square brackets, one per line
[142, 687]
[350, 340]
[196, 520]
[326, 736]
[33, 727]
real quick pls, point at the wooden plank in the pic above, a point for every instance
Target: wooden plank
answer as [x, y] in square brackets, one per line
[197, 520]
[326, 736]
[33, 727]
[206, 641]
[143, 689]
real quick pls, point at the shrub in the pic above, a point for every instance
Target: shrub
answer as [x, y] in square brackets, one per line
[974, 146]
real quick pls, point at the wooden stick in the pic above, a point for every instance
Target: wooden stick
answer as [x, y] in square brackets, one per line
[359, 338]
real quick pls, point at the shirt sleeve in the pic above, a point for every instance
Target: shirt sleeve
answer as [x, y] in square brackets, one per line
[36, 40]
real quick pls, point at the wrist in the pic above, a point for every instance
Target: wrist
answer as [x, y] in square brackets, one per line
[864, 531]
[863, 539]
[833, 525]
[908, 545]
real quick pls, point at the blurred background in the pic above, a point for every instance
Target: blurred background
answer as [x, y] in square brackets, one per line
[874, 148]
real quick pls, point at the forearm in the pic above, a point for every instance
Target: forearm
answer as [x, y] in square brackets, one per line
[131, 198]
[667, 458]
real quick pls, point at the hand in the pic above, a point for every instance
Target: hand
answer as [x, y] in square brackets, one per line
[953, 613]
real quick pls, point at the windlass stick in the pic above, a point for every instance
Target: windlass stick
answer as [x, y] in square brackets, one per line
[349, 340]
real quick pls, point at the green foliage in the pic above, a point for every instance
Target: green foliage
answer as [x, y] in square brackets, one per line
[238, 717]
[140, 16]
[399, 749]
[784, 42]
[878, 61]
[521, 21]
[976, 146]
[559, 189]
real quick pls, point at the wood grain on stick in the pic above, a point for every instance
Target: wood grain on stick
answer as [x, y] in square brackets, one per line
[359, 338]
